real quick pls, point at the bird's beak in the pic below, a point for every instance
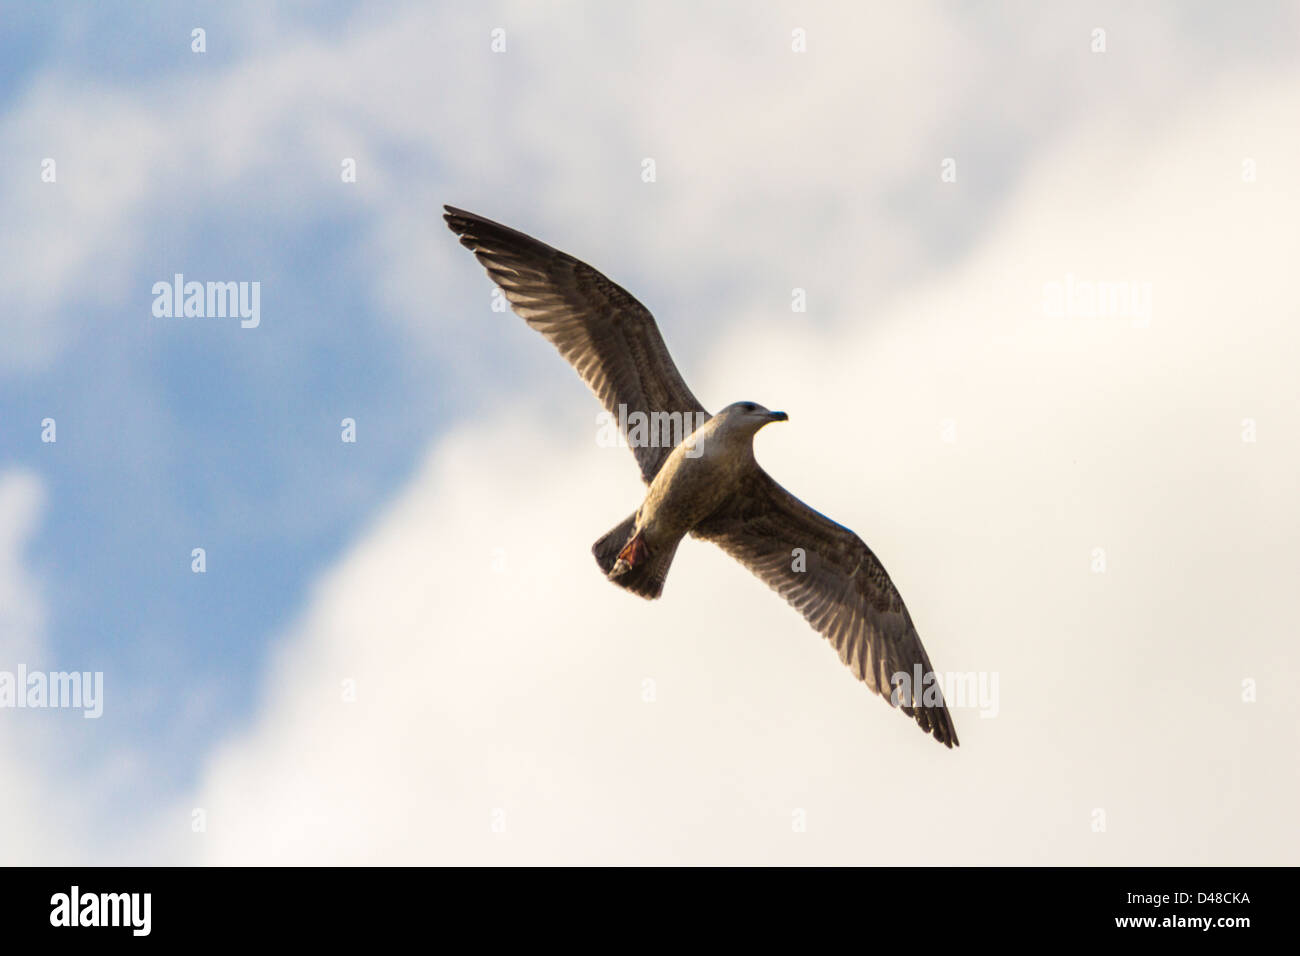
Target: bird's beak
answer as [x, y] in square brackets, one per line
[777, 417]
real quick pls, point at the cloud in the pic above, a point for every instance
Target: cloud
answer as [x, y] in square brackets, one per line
[29, 794]
[21, 607]
[500, 710]
[778, 159]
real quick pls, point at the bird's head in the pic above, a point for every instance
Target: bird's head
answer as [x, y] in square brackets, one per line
[749, 417]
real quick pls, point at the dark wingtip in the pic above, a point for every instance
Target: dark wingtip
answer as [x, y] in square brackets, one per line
[457, 220]
[475, 230]
[944, 731]
[937, 722]
[461, 221]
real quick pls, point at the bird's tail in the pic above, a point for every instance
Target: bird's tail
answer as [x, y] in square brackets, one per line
[629, 563]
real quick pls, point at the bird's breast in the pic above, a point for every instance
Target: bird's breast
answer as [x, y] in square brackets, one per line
[686, 490]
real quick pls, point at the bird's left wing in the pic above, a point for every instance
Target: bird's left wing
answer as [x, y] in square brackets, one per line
[606, 334]
[840, 587]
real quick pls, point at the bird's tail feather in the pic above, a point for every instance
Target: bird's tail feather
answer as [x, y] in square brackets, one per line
[647, 576]
[607, 548]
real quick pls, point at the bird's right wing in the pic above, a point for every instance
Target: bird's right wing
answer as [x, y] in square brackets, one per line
[840, 587]
[603, 332]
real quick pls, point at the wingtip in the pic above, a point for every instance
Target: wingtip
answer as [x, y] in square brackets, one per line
[945, 732]
[937, 725]
[463, 222]
[465, 225]
[457, 220]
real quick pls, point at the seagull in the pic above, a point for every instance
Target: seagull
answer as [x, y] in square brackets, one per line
[708, 484]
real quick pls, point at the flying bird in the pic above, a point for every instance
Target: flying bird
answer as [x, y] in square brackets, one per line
[708, 483]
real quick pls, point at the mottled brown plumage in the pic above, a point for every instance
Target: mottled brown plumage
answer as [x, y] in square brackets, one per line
[709, 486]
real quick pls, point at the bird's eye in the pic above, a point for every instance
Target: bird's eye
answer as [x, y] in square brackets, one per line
[749, 406]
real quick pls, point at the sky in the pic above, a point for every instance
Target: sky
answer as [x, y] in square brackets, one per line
[399, 649]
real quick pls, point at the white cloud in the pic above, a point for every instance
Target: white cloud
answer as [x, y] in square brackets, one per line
[29, 793]
[521, 690]
[817, 169]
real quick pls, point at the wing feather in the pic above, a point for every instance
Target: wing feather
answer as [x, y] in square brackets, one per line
[843, 592]
[609, 337]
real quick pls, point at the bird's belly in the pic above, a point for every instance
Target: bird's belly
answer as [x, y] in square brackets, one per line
[688, 494]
